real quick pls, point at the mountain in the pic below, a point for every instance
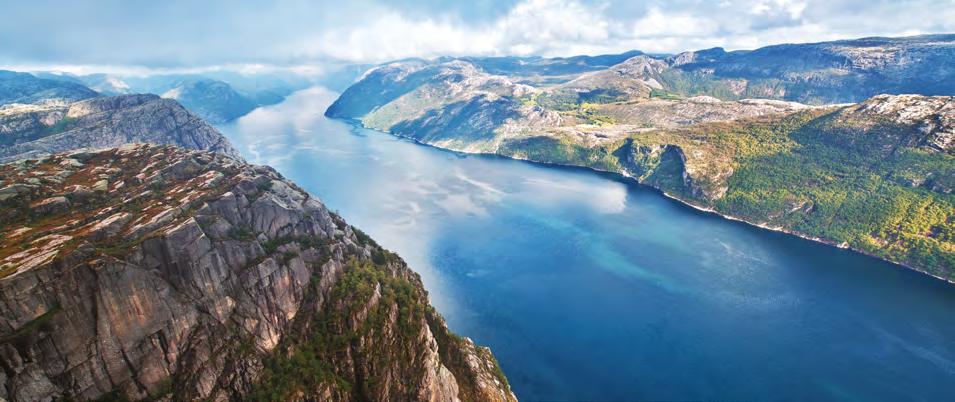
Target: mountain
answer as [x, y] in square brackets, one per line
[106, 84]
[263, 87]
[150, 272]
[876, 176]
[830, 72]
[536, 66]
[214, 101]
[33, 130]
[815, 73]
[216, 96]
[26, 88]
[219, 96]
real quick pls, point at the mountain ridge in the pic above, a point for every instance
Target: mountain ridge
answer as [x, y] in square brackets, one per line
[18, 87]
[876, 176]
[34, 130]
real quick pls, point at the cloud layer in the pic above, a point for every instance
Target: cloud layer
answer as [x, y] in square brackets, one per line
[289, 32]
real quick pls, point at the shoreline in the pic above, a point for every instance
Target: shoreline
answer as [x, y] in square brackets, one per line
[630, 180]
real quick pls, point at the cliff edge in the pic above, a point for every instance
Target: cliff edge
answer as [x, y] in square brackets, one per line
[150, 272]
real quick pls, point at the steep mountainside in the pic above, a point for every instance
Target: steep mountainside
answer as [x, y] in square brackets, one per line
[28, 130]
[876, 177]
[26, 88]
[158, 273]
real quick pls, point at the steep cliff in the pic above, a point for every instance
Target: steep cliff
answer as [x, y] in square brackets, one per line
[32, 130]
[157, 273]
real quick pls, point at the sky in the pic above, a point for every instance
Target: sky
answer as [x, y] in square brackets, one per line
[198, 34]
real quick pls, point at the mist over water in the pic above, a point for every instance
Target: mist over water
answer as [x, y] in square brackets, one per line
[590, 288]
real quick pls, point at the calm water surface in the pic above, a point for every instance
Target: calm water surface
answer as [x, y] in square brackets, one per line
[589, 288]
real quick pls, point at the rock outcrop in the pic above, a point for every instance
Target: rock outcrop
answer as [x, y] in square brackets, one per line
[933, 115]
[34, 130]
[160, 273]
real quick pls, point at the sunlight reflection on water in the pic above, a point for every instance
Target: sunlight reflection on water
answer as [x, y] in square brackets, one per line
[589, 288]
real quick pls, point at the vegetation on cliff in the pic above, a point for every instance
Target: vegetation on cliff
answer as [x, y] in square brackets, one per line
[157, 273]
[807, 173]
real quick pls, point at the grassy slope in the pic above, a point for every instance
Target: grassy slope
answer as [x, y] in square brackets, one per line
[806, 173]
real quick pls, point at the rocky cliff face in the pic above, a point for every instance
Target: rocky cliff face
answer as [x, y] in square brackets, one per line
[32, 130]
[158, 273]
[933, 116]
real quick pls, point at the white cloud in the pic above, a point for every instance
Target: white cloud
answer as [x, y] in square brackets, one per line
[770, 7]
[657, 24]
[570, 27]
[531, 27]
[180, 33]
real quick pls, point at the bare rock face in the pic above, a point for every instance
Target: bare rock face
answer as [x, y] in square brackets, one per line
[631, 79]
[661, 113]
[934, 115]
[31, 131]
[168, 274]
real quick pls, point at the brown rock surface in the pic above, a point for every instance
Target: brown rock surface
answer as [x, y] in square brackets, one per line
[203, 277]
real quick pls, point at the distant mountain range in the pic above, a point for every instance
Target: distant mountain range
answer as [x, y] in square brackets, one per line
[217, 97]
[214, 101]
[764, 135]
[26, 88]
[813, 73]
[828, 72]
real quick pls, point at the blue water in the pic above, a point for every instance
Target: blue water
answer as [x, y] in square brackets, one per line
[590, 288]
